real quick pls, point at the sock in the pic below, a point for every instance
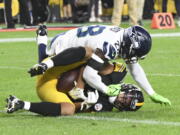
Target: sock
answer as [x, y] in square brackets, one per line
[42, 40]
[27, 105]
[69, 56]
[41, 52]
[46, 108]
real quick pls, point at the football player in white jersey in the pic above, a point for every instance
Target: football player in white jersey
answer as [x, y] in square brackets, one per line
[130, 44]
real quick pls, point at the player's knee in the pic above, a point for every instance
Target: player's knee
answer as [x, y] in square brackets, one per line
[67, 109]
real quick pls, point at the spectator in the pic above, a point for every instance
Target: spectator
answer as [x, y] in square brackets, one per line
[93, 11]
[67, 10]
[177, 5]
[54, 6]
[24, 13]
[117, 12]
[79, 11]
[39, 11]
[149, 9]
[140, 8]
[164, 6]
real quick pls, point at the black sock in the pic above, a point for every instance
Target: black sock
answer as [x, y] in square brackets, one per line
[69, 56]
[46, 108]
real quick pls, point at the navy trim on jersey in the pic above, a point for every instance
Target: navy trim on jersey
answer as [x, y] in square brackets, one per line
[56, 37]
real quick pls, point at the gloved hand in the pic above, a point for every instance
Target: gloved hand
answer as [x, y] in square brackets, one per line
[92, 98]
[77, 93]
[160, 99]
[37, 69]
[113, 89]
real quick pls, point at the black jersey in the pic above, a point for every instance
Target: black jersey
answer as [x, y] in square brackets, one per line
[115, 77]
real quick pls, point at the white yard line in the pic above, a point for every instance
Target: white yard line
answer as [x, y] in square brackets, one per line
[12, 40]
[150, 122]
[8, 40]
[14, 67]
[166, 35]
[111, 119]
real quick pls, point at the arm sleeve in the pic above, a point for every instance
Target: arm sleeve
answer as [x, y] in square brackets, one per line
[90, 75]
[140, 77]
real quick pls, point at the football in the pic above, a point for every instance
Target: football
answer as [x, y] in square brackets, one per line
[66, 80]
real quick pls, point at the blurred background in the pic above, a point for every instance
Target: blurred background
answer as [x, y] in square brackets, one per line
[30, 13]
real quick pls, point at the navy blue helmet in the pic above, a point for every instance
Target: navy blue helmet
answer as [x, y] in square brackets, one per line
[136, 43]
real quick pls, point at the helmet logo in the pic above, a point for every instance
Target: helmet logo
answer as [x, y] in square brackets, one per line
[109, 50]
[98, 107]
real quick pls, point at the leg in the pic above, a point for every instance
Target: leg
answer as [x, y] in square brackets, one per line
[35, 9]
[47, 92]
[8, 14]
[177, 4]
[24, 12]
[42, 42]
[42, 108]
[70, 56]
[140, 8]
[164, 6]
[132, 8]
[96, 8]
[117, 12]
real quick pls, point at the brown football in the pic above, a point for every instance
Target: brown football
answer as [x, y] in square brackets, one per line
[66, 80]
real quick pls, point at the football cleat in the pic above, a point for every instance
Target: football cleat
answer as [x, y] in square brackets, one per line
[13, 104]
[37, 69]
[42, 30]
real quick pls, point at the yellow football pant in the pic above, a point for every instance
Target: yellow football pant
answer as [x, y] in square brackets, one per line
[46, 84]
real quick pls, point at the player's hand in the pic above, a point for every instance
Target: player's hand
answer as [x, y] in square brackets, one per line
[37, 69]
[113, 89]
[77, 93]
[160, 99]
[92, 98]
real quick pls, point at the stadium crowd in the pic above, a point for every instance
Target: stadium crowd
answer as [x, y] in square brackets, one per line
[34, 12]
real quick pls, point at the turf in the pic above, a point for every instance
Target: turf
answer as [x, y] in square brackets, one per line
[161, 66]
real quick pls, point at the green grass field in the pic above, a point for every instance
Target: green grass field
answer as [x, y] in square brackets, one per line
[162, 68]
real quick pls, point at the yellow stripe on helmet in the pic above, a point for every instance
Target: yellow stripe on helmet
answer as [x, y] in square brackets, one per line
[139, 104]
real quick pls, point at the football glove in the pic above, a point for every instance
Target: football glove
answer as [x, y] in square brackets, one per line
[160, 99]
[113, 89]
[92, 98]
[37, 69]
[77, 93]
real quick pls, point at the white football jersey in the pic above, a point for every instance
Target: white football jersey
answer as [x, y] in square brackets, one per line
[106, 38]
